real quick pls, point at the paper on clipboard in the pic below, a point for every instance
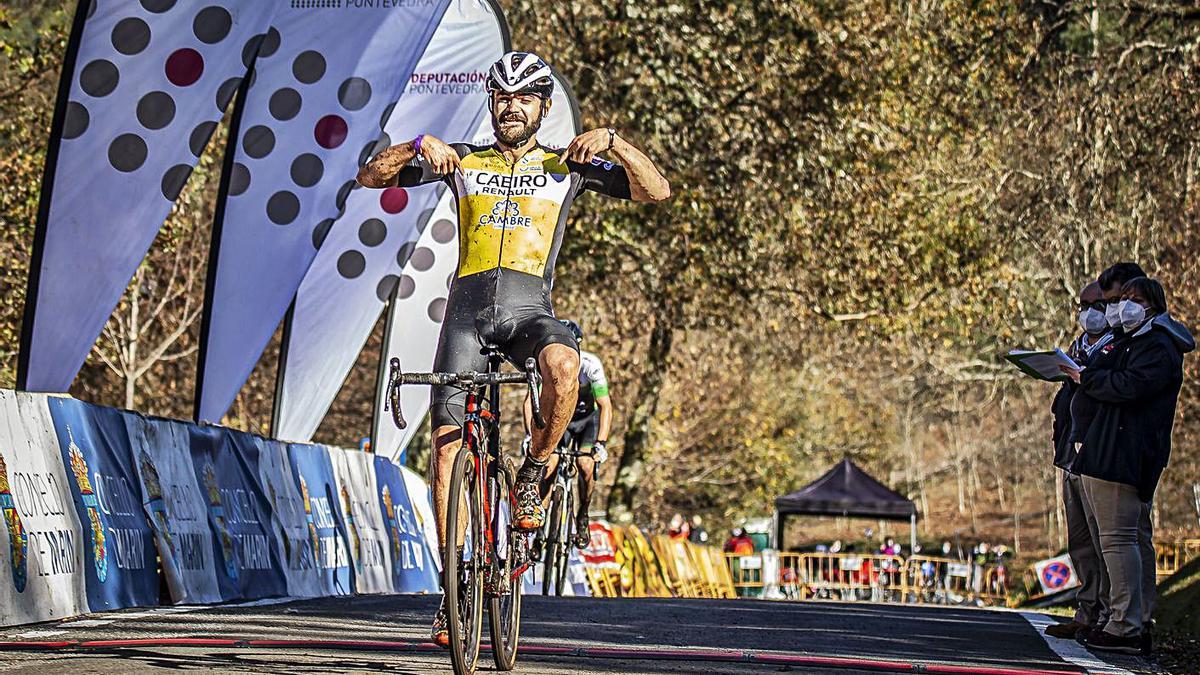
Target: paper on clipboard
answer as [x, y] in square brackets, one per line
[1042, 365]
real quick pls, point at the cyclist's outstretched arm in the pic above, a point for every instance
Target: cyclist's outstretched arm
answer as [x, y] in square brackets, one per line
[646, 182]
[604, 403]
[394, 166]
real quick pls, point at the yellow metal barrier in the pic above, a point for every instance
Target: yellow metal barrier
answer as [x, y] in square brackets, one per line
[714, 573]
[641, 574]
[1171, 556]
[745, 573]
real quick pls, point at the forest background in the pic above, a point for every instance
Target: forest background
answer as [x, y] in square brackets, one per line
[873, 202]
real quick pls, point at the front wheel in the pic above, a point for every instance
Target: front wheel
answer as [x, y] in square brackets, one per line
[554, 543]
[504, 611]
[463, 564]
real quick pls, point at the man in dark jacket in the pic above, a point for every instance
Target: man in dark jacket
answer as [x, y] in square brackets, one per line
[1083, 539]
[1132, 386]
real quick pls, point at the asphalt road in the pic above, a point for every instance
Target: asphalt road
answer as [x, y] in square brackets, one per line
[672, 636]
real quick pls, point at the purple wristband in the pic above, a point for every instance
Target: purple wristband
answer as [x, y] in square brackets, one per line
[417, 143]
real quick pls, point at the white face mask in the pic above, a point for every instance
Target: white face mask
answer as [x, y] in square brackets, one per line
[1093, 321]
[1112, 314]
[1132, 314]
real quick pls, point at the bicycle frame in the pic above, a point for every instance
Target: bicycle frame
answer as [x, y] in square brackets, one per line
[480, 426]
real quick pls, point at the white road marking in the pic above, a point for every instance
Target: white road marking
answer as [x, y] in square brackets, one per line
[36, 634]
[86, 623]
[1070, 650]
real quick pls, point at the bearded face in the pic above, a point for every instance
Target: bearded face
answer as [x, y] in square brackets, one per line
[516, 118]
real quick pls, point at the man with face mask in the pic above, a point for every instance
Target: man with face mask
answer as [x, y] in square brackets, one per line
[1111, 281]
[512, 197]
[1131, 388]
[1083, 542]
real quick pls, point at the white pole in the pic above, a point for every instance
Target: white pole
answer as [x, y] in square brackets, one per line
[912, 544]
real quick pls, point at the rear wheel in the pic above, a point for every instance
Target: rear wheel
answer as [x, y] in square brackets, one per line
[504, 611]
[554, 536]
[463, 565]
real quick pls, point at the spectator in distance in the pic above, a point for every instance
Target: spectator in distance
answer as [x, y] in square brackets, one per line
[679, 528]
[739, 543]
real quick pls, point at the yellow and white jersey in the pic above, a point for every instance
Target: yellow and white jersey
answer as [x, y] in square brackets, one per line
[511, 216]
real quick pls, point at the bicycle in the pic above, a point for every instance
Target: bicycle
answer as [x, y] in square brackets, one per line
[560, 525]
[483, 554]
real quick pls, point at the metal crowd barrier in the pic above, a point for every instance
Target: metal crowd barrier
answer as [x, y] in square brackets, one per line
[867, 577]
[1171, 556]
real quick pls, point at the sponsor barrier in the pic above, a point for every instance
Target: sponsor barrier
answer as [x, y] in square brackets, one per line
[270, 475]
[176, 508]
[358, 496]
[97, 503]
[414, 569]
[249, 563]
[120, 564]
[322, 511]
[41, 540]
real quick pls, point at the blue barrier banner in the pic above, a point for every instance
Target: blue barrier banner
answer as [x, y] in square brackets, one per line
[422, 502]
[413, 567]
[268, 468]
[248, 563]
[119, 562]
[176, 508]
[354, 472]
[313, 471]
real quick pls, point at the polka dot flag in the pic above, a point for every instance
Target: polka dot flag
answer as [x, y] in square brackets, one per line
[315, 100]
[428, 265]
[145, 86]
[361, 255]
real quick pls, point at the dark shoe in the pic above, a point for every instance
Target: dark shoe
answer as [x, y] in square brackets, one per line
[1066, 631]
[1147, 643]
[528, 514]
[1107, 642]
[582, 536]
[440, 634]
[1084, 633]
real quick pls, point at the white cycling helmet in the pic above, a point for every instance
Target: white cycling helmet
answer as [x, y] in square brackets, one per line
[521, 72]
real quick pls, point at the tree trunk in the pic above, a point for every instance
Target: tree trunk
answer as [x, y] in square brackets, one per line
[629, 472]
[134, 334]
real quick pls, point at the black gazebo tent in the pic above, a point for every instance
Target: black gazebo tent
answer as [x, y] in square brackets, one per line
[845, 490]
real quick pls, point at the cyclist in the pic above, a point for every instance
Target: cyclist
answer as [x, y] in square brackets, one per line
[587, 432]
[512, 198]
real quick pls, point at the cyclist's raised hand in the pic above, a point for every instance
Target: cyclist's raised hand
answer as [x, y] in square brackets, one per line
[441, 157]
[587, 145]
